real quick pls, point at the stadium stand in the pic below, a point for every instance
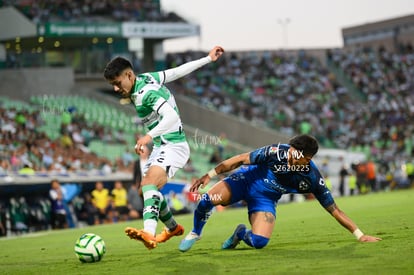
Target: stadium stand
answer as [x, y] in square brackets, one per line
[289, 93]
[70, 11]
[297, 94]
[385, 79]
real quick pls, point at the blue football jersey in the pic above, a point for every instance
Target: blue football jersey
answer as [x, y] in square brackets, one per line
[290, 179]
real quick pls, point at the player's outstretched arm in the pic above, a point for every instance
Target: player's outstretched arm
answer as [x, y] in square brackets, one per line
[223, 167]
[186, 68]
[346, 222]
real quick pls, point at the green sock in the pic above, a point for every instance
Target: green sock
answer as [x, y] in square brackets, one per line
[166, 216]
[152, 201]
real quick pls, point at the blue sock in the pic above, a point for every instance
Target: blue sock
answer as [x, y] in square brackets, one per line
[254, 240]
[202, 213]
[241, 234]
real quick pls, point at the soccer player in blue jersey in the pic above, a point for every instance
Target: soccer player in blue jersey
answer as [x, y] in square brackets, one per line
[156, 107]
[264, 176]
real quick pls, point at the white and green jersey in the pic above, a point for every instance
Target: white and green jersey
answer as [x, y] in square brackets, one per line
[148, 96]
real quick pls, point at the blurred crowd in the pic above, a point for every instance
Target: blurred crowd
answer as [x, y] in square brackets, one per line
[89, 10]
[26, 150]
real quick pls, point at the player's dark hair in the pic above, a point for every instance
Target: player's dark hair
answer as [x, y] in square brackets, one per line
[305, 143]
[115, 67]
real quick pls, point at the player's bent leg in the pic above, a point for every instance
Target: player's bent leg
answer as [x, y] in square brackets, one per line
[151, 183]
[152, 201]
[263, 223]
[262, 226]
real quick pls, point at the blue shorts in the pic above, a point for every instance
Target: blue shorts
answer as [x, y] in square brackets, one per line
[248, 184]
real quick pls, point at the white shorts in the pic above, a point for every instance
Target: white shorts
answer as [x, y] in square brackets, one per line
[171, 157]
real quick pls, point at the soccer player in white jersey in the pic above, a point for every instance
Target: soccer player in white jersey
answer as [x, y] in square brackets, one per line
[156, 106]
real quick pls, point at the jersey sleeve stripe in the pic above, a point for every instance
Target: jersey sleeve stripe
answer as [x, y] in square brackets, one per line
[161, 106]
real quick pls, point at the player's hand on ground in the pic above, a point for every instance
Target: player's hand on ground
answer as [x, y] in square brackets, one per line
[369, 239]
[201, 182]
[215, 53]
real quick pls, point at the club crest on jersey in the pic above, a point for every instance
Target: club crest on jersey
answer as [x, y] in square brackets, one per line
[279, 152]
[303, 186]
[273, 149]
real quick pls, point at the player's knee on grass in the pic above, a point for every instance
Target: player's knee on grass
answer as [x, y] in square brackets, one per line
[255, 241]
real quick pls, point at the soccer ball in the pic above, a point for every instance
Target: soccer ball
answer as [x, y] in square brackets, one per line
[90, 248]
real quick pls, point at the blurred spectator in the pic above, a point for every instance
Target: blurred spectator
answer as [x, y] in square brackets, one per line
[86, 210]
[20, 119]
[19, 214]
[27, 170]
[222, 145]
[66, 119]
[135, 202]
[343, 173]
[102, 201]
[119, 202]
[2, 222]
[5, 167]
[66, 140]
[177, 206]
[328, 183]
[215, 157]
[409, 170]
[371, 175]
[47, 159]
[58, 211]
[324, 168]
[361, 174]
[352, 183]
[106, 167]
[15, 161]
[127, 157]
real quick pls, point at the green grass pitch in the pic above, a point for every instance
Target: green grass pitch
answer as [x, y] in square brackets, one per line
[306, 240]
